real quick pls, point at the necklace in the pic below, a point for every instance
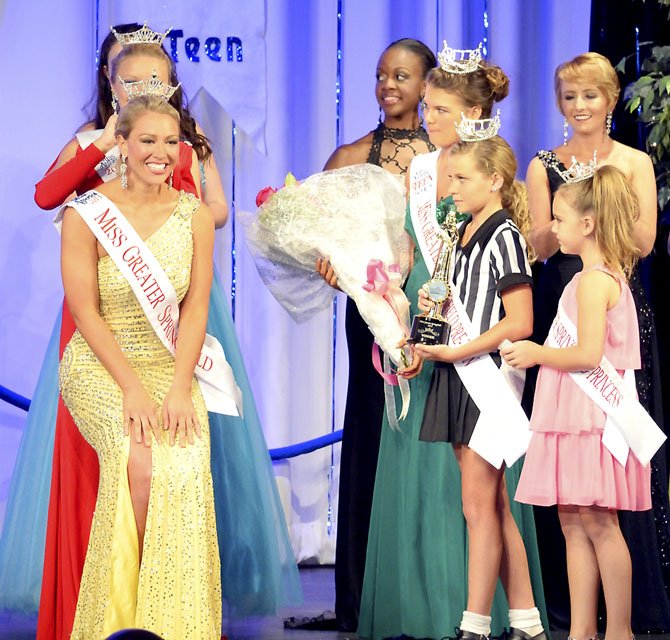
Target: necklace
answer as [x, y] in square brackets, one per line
[393, 155]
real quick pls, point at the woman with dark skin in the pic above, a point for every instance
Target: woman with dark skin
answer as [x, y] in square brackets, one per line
[392, 145]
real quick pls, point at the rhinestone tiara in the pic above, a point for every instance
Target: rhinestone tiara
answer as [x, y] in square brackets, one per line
[459, 61]
[478, 130]
[579, 171]
[151, 87]
[141, 36]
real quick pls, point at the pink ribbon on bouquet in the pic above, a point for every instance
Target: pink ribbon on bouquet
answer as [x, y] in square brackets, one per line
[385, 283]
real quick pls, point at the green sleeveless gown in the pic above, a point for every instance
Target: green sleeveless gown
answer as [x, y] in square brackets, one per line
[416, 566]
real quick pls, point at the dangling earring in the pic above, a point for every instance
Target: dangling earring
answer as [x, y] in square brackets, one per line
[380, 120]
[608, 123]
[170, 179]
[115, 103]
[122, 171]
[565, 132]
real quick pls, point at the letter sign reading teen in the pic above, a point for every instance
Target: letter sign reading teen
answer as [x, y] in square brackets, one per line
[211, 48]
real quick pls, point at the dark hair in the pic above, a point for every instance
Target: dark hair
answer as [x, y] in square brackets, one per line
[100, 105]
[482, 87]
[419, 49]
[134, 634]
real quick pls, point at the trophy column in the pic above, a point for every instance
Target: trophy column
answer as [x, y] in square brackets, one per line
[431, 328]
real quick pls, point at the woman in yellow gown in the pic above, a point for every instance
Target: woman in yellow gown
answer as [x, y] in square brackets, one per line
[152, 560]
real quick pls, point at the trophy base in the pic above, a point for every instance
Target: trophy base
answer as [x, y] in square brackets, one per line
[430, 331]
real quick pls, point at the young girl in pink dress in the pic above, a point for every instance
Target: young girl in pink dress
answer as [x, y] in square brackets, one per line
[567, 462]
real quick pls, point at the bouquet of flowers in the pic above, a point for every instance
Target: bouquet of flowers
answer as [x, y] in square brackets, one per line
[355, 218]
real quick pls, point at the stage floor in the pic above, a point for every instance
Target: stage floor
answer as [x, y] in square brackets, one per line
[319, 589]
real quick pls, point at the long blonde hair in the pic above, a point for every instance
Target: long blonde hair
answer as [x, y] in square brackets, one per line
[494, 155]
[614, 205]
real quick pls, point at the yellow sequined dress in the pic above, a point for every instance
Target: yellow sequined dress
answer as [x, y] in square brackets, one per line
[176, 592]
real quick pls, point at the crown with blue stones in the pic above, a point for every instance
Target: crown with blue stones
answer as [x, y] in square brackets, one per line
[459, 61]
[579, 171]
[152, 87]
[477, 130]
[144, 35]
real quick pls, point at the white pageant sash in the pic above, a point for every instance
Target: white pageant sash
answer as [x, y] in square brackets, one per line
[157, 297]
[502, 432]
[106, 168]
[423, 206]
[628, 424]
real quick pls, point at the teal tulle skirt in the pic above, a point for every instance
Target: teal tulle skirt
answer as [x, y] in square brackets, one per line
[258, 571]
[25, 525]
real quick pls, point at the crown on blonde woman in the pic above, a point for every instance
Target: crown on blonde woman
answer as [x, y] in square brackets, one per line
[478, 130]
[143, 35]
[151, 87]
[459, 60]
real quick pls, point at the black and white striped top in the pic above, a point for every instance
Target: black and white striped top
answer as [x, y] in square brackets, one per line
[494, 260]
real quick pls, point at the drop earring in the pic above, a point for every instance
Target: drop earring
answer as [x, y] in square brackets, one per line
[565, 132]
[123, 172]
[115, 103]
[608, 123]
[170, 179]
[380, 120]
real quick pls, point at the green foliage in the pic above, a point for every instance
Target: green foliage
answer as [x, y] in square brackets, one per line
[649, 97]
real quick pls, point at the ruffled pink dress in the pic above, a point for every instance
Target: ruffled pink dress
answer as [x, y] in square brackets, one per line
[566, 462]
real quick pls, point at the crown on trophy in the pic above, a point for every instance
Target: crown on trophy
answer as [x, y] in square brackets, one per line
[141, 36]
[151, 87]
[459, 60]
[478, 130]
[579, 171]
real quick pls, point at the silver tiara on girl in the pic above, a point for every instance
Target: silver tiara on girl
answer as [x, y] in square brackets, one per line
[576, 172]
[151, 87]
[459, 61]
[478, 130]
[579, 171]
[144, 35]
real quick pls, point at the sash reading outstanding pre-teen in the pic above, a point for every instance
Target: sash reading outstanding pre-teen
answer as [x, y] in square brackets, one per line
[502, 432]
[628, 425]
[157, 297]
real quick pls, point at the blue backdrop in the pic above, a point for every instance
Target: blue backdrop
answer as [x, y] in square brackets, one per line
[47, 61]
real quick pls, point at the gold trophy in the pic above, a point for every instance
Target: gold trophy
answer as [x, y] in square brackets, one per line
[431, 328]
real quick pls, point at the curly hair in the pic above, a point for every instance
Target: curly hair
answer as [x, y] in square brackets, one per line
[482, 87]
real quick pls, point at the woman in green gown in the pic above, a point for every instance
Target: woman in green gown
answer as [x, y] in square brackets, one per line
[416, 567]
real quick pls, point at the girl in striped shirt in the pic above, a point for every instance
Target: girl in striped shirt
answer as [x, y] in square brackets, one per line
[491, 277]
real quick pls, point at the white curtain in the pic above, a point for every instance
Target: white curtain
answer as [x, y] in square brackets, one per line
[47, 61]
